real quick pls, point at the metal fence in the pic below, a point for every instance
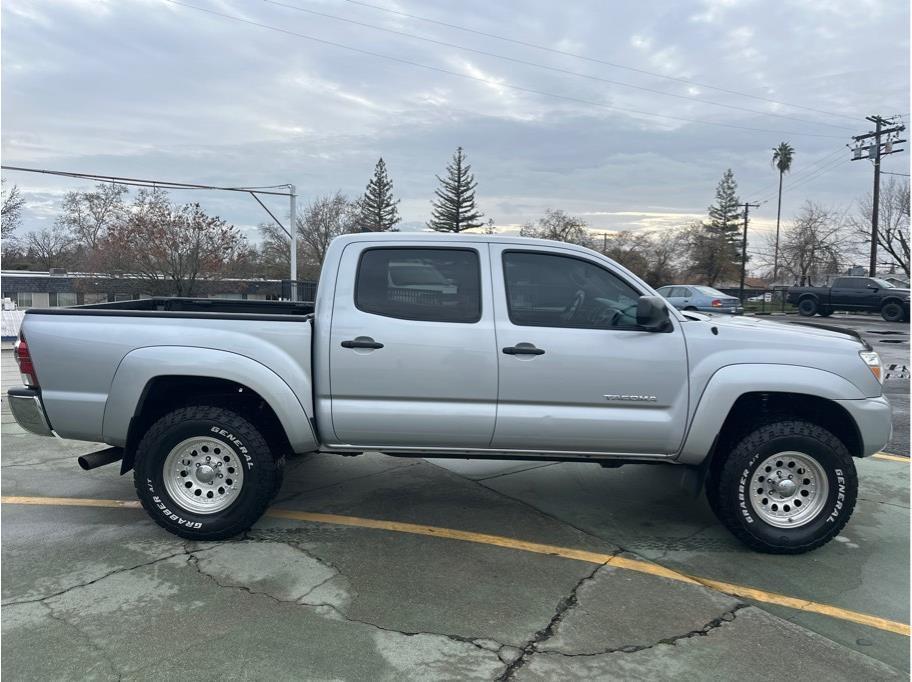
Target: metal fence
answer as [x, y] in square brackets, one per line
[306, 290]
[761, 300]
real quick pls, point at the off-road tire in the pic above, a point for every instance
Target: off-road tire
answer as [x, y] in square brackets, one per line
[728, 493]
[892, 312]
[807, 307]
[260, 482]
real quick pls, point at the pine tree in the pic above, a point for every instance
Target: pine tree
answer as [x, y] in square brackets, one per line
[454, 208]
[378, 210]
[718, 254]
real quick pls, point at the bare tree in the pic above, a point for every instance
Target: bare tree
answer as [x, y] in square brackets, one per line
[275, 250]
[559, 226]
[89, 215]
[814, 246]
[666, 257]
[893, 222]
[321, 221]
[171, 246]
[630, 249]
[11, 213]
[50, 247]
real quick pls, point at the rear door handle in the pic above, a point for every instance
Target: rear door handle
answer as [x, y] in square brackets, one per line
[523, 349]
[362, 342]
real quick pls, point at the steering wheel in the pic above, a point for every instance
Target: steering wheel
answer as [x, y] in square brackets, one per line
[607, 317]
[573, 307]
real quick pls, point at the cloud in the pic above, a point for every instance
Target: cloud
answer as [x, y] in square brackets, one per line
[150, 89]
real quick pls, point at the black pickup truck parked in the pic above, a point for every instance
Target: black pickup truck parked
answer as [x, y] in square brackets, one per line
[867, 294]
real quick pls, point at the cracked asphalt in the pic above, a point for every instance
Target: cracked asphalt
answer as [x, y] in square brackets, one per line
[102, 593]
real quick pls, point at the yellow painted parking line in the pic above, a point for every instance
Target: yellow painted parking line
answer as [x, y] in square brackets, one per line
[70, 502]
[892, 458]
[646, 567]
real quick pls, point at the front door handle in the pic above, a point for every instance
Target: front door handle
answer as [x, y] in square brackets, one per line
[362, 342]
[523, 349]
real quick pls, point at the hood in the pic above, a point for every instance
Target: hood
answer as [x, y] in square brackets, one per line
[796, 328]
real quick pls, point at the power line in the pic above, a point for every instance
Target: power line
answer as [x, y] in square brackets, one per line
[804, 172]
[819, 173]
[497, 83]
[137, 182]
[548, 67]
[806, 179]
[615, 65]
[167, 184]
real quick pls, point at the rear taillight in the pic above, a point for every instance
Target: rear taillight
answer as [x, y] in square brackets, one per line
[26, 366]
[716, 303]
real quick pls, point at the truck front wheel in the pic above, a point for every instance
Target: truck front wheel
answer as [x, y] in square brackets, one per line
[892, 312]
[807, 307]
[786, 488]
[204, 473]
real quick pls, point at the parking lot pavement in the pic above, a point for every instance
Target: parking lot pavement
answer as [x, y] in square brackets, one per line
[382, 568]
[102, 592]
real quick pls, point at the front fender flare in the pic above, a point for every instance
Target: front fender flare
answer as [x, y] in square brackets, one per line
[731, 382]
[141, 366]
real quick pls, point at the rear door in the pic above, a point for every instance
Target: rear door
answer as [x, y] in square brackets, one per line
[686, 297]
[850, 293]
[576, 374]
[413, 359]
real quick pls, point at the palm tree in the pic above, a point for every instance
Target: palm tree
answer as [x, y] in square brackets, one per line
[782, 160]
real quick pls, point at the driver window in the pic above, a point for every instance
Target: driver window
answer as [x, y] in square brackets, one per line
[545, 290]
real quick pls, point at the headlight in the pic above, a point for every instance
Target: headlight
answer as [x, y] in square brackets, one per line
[872, 360]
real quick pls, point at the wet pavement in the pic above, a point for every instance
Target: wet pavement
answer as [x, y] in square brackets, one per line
[103, 593]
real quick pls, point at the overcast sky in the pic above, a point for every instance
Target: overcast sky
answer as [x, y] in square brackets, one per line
[152, 89]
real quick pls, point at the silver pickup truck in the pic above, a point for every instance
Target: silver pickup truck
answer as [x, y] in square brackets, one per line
[459, 346]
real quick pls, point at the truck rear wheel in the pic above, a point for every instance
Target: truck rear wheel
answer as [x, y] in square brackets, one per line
[807, 307]
[785, 488]
[892, 312]
[204, 473]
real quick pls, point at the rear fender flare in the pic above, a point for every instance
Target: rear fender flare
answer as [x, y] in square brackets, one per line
[139, 367]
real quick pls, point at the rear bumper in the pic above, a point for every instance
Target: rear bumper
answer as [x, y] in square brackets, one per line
[25, 404]
[722, 311]
[874, 418]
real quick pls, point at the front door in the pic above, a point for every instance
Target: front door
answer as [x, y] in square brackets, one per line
[576, 373]
[413, 358]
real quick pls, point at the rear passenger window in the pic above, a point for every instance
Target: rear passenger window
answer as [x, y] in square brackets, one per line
[435, 285]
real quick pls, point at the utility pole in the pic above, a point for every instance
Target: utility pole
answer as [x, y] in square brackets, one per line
[747, 208]
[604, 236]
[883, 128]
[293, 229]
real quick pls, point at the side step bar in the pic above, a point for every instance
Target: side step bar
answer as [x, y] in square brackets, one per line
[98, 459]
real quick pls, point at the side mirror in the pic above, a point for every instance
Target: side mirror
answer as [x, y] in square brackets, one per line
[652, 314]
[873, 287]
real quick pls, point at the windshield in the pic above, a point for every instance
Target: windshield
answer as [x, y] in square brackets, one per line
[883, 284]
[709, 291]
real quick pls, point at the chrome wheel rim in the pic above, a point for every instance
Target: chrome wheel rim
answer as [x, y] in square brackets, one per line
[789, 489]
[203, 475]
